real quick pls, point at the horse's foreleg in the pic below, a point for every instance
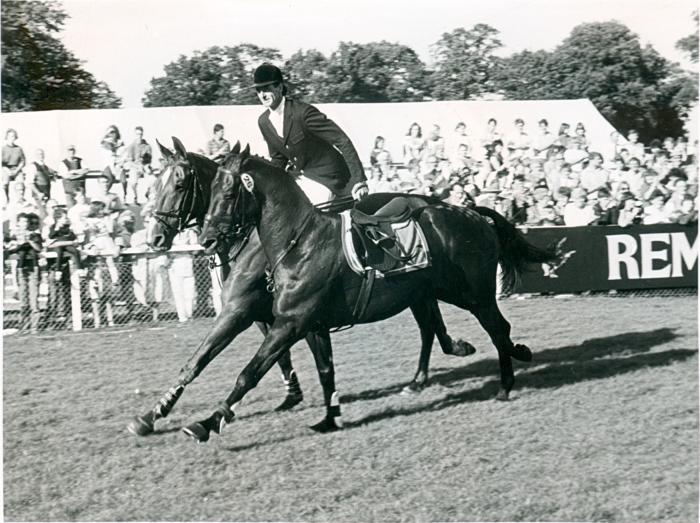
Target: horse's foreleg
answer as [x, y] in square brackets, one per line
[322, 350]
[423, 314]
[447, 344]
[289, 376]
[282, 335]
[228, 325]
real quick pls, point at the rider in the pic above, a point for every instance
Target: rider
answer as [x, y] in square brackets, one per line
[303, 140]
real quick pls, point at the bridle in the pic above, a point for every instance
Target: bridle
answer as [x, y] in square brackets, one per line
[185, 213]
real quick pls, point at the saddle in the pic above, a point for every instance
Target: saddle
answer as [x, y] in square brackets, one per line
[388, 241]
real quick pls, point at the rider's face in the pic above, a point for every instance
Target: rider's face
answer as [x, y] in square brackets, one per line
[270, 95]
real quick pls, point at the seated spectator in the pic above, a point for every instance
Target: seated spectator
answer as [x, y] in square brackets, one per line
[674, 204]
[26, 244]
[16, 204]
[413, 145]
[576, 155]
[634, 177]
[688, 214]
[540, 200]
[549, 217]
[578, 213]
[433, 172]
[568, 178]
[606, 208]
[459, 137]
[561, 200]
[651, 183]
[218, 147]
[48, 220]
[655, 212]
[73, 174]
[435, 144]
[462, 164]
[378, 182]
[616, 170]
[379, 155]
[40, 176]
[98, 237]
[630, 210]
[104, 186]
[113, 150]
[63, 241]
[563, 136]
[519, 201]
[543, 140]
[594, 176]
[13, 161]
[457, 196]
[78, 211]
[580, 139]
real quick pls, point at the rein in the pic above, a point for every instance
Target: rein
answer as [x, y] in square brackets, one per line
[185, 213]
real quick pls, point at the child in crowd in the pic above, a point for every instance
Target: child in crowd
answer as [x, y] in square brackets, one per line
[98, 237]
[63, 240]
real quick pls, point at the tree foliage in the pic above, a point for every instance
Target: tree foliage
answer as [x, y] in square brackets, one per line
[216, 76]
[306, 74]
[38, 71]
[689, 44]
[464, 63]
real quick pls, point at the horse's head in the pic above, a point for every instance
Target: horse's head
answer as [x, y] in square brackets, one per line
[176, 197]
[232, 206]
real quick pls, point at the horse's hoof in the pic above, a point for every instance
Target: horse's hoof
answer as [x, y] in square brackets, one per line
[140, 426]
[522, 352]
[462, 348]
[502, 395]
[197, 432]
[326, 425]
[413, 388]
[290, 401]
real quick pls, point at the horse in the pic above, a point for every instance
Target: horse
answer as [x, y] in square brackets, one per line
[314, 286]
[183, 199]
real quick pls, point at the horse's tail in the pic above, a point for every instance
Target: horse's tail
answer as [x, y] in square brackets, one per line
[516, 252]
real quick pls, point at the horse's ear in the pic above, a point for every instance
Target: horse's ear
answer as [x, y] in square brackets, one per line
[237, 148]
[179, 148]
[164, 151]
[246, 151]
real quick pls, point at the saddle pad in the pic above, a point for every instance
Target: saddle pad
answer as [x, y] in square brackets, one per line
[409, 235]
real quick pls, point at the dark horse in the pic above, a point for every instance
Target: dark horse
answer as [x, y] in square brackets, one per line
[183, 198]
[315, 287]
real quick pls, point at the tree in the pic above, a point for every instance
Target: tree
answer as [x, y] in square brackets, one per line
[216, 76]
[306, 74]
[464, 63]
[524, 75]
[373, 72]
[38, 71]
[689, 44]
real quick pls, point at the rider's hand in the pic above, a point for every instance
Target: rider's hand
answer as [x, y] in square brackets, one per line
[360, 191]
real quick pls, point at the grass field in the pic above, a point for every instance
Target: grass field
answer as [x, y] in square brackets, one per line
[603, 425]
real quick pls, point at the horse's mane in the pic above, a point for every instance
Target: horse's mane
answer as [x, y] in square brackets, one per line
[199, 161]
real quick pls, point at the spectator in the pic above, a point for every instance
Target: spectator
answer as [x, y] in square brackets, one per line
[79, 211]
[435, 144]
[459, 137]
[137, 161]
[40, 176]
[688, 214]
[541, 200]
[580, 138]
[380, 155]
[635, 148]
[561, 200]
[543, 141]
[578, 213]
[563, 136]
[519, 142]
[457, 196]
[634, 177]
[616, 172]
[519, 201]
[113, 150]
[111, 200]
[73, 174]
[378, 182]
[148, 273]
[673, 206]
[413, 145]
[462, 164]
[62, 240]
[181, 274]
[98, 237]
[655, 211]
[492, 134]
[549, 217]
[26, 244]
[594, 177]
[13, 161]
[433, 175]
[218, 147]
[576, 154]
[630, 210]
[651, 183]
[16, 204]
[606, 208]
[568, 178]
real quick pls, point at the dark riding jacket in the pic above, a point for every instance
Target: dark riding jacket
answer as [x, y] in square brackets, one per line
[314, 146]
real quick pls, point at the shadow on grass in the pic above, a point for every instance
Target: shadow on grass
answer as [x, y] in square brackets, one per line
[569, 356]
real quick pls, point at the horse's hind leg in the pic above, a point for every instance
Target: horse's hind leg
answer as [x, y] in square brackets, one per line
[289, 376]
[498, 330]
[322, 350]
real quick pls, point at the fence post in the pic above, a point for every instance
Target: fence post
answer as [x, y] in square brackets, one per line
[75, 306]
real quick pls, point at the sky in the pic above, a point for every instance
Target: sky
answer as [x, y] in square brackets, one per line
[128, 42]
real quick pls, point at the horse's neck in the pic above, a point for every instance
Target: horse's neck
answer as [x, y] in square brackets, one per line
[205, 170]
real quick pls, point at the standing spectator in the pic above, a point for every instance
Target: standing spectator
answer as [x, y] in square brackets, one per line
[413, 145]
[435, 144]
[520, 201]
[26, 243]
[543, 141]
[181, 274]
[40, 177]
[113, 150]
[578, 213]
[63, 240]
[13, 161]
[594, 176]
[519, 142]
[98, 237]
[218, 147]
[635, 148]
[148, 272]
[137, 158]
[380, 155]
[73, 174]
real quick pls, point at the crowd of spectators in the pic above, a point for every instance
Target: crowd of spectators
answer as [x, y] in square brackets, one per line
[545, 179]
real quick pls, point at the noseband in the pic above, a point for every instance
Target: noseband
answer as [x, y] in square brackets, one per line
[185, 213]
